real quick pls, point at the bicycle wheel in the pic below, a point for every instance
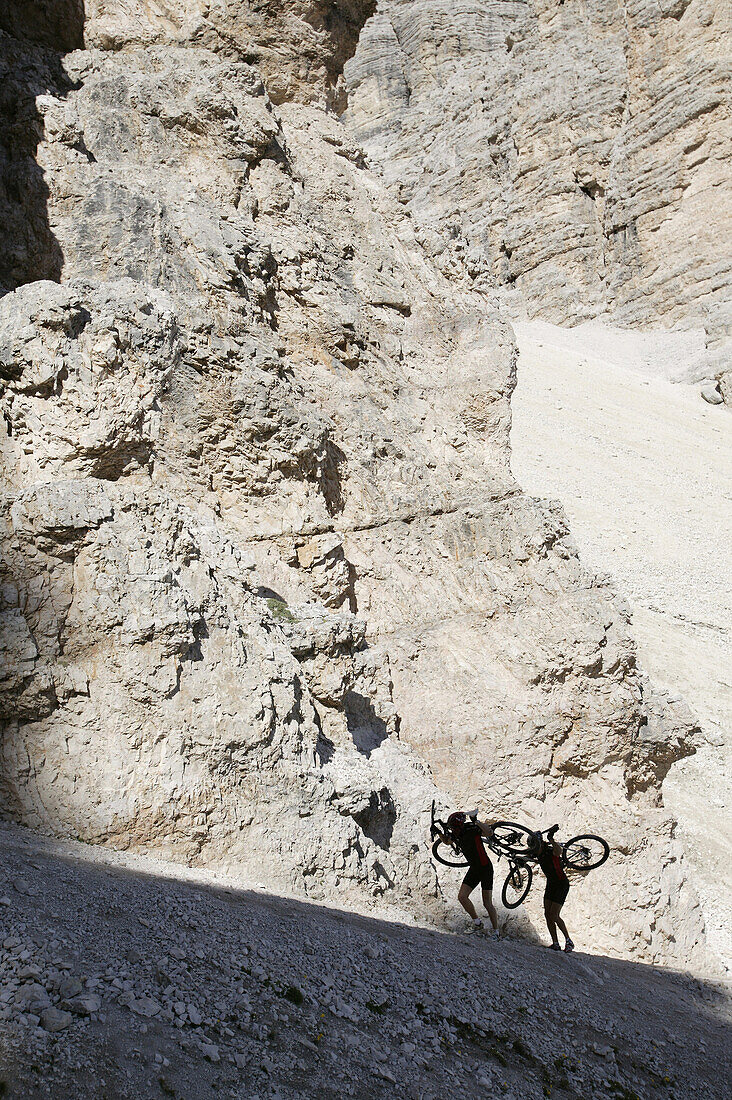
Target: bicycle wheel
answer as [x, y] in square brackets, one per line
[513, 839]
[454, 857]
[585, 852]
[517, 885]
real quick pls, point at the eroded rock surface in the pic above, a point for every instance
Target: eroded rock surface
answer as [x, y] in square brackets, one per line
[267, 575]
[575, 152]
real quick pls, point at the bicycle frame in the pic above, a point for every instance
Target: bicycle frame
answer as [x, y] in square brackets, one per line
[529, 857]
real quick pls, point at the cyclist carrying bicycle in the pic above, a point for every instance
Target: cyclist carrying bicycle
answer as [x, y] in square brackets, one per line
[467, 833]
[557, 887]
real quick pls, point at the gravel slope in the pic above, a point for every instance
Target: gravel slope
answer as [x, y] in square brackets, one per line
[164, 984]
[643, 468]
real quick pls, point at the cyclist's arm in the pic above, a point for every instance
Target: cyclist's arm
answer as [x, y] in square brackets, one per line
[486, 827]
[552, 838]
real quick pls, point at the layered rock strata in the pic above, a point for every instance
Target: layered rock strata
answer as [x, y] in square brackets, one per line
[577, 153]
[264, 557]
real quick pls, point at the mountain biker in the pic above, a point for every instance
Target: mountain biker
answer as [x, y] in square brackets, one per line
[467, 833]
[557, 888]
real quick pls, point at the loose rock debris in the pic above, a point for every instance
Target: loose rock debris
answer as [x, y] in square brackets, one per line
[118, 980]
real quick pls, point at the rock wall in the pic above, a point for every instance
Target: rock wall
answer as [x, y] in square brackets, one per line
[576, 153]
[265, 564]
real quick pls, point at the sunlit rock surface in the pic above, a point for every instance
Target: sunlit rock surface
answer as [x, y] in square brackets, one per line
[269, 584]
[576, 153]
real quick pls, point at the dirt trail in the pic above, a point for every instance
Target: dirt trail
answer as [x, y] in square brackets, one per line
[166, 983]
[643, 467]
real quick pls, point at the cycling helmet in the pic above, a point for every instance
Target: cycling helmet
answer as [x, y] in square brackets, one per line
[456, 822]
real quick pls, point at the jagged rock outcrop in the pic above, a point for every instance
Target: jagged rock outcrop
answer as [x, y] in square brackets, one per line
[152, 695]
[575, 152]
[264, 556]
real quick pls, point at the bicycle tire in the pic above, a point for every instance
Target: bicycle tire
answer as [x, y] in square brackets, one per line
[441, 858]
[506, 837]
[517, 885]
[583, 858]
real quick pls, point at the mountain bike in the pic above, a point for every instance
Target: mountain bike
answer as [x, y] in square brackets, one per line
[581, 853]
[520, 846]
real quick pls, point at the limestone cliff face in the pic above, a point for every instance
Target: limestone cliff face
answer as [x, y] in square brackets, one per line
[265, 565]
[575, 152]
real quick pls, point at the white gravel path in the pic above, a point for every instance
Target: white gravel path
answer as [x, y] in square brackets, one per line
[126, 978]
[643, 468]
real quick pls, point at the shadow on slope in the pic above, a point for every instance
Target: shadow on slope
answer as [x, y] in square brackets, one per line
[207, 989]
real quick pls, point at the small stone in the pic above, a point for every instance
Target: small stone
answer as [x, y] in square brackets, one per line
[710, 393]
[194, 1015]
[24, 887]
[29, 972]
[55, 1019]
[70, 987]
[210, 1051]
[144, 1006]
[32, 994]
[83, 1005]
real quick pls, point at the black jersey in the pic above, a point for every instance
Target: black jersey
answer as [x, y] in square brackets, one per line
[551, 864]
[470, 843]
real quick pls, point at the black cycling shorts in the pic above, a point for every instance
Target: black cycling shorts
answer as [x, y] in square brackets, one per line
[556, 892]
[479, 873]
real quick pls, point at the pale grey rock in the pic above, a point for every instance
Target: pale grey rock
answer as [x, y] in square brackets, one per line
[300, 47]
[210, 1051]
[144, 1006]
[712, 394]
[81, 391]
[83, 1005]
[22, 886]
[269, 579]
[32, 996]
[55, 1019]
[576, 155]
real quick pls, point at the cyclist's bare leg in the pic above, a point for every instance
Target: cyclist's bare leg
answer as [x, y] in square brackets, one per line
[560, 923]
[549, 914]
[552, 910]
[464, 899]
[490, 909]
